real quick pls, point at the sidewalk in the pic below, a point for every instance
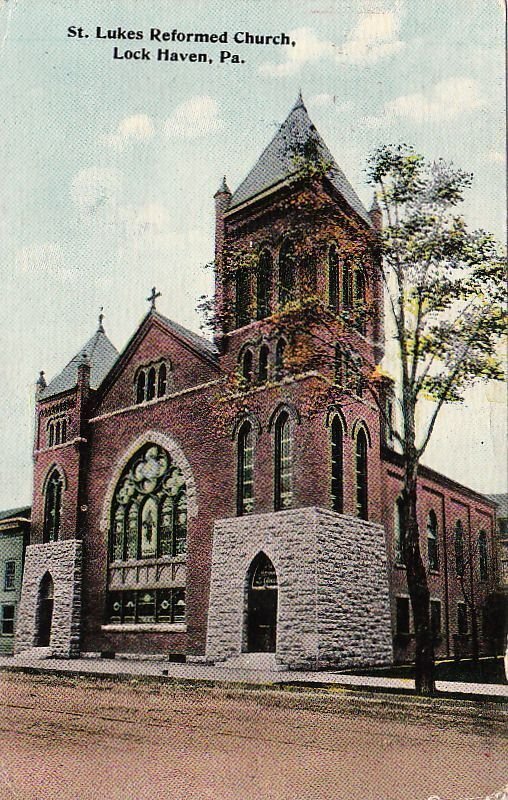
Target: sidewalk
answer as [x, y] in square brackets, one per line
[221, 673]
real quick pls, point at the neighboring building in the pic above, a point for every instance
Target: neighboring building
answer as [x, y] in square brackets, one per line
[501, 501]
[201, 499]
[14, 536]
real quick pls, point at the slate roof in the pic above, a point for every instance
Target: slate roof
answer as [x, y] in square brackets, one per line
[101, 353]
[502, 504]
[276, 163]
[201, 344]
[11, 513]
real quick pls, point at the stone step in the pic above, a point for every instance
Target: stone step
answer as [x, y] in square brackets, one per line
[262, 662]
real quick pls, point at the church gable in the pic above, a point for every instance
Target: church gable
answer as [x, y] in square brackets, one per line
[162, 358]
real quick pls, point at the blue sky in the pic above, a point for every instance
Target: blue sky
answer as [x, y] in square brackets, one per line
[109, 167]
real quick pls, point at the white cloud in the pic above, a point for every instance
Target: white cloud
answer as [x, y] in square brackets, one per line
[374, 36]
[195, 117]
[136, 128]
[444, 100]
[94, 187]
[496, 156]
[42, 258]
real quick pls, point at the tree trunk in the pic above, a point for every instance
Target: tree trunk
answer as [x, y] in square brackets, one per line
[418, 588]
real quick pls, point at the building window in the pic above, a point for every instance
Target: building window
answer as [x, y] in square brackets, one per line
[432, 541]
[283, 493]
[360, 301]
[333, 278]
[8, 620]
[400, 531]
[435, 618]
[459, 548]
[337, 466]
[483, 555]
[57, 432]
[242, 297]
[10, 576]
[245, 477]
[152, 382]
[362, 493]
[339, 365]
[147, 606]
[149, 510]
[279, 359]
[287, 272]
[461, 619]
[247, 369]
[402, 615]
[51, 437]
[265, 269]
[53, 507]
[263, 363]
[347, 284]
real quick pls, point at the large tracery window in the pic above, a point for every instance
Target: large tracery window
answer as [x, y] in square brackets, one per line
[149, 510]
[53, 507]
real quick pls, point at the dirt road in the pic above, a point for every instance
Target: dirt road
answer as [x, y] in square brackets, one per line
[80, 738]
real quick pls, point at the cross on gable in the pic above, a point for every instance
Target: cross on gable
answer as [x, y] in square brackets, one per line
[153, 297]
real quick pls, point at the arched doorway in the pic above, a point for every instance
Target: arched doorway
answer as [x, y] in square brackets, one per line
[261, 606]
[45, 611]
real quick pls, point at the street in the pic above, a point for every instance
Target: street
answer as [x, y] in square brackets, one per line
[74, 738]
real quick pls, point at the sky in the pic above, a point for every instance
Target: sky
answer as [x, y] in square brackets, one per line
[108, 166]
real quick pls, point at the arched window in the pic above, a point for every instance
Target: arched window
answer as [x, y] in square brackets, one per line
[333, 278]
[432, 541]
[337, 466]
[245, 483]
[459, 548]
[149, 509]
[400, 530]
[53, 507]
[360, 301]
[51, 434]
[279, 358]
[287, 272]
[242, 297]
[57, 432]
[162, 381]
[283, 493]
[140, 387]
[264, 283]
[263, 363]
[150, 384]
[483, 555]
[64, 431]
[347, 284]
[247, 369]
[362, 493]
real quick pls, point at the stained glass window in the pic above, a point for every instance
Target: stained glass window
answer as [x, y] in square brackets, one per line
[283, 492]
[245, 490]
[53, 507]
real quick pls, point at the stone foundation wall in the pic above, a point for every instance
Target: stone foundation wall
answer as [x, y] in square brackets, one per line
[333, 599]
[63, 561]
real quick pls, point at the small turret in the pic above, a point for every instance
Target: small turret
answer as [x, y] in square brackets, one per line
[376, 214]
[40, 384]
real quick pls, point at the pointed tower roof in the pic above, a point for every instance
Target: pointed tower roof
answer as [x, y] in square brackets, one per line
[101, 354]
[277, 164]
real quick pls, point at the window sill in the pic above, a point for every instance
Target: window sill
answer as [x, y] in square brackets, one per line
[152, 561]
[146, 627]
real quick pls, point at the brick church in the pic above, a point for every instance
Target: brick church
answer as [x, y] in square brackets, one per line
[199, 499]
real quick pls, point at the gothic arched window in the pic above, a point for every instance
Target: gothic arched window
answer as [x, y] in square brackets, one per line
[57, 433]
[140, 387]
[53, 507]
[362, 491]
[347, 284]
[287, 272]
[283, 492]
[247, 367]
[432, 541]
[279, 358]
[150, 384]
[162, 381]
[242, 297]
[245, 482]
[64, 431]
[337, 488]
[333, 278]
[263, 363]
[264, 284]
[483, 555]
[51, 434]
[149, 509]
[459, 548]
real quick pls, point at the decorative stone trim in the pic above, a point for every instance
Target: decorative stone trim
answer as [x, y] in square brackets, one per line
[146, 627]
